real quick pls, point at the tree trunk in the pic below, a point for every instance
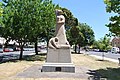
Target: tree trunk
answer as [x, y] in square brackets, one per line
[21, 52]
[75, 48]
[47, 39]
[79, 49]
[36, 48]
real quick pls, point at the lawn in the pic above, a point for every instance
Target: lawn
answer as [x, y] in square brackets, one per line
[106, 69]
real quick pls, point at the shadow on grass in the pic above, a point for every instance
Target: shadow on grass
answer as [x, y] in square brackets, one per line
[15, 58]
[105, 74]
[75, 53]
[34, 58]
[101, 60]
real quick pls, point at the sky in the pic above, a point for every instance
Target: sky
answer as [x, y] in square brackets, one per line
[92, 12]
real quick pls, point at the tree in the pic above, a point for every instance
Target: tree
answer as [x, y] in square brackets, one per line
[44, 22]
[113, 6]
[76, 37]
[70, 20]
[24, 20]
[88, 34]
[81, 35]
[103, 45]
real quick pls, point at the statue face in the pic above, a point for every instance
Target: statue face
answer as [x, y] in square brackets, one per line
[56, 39]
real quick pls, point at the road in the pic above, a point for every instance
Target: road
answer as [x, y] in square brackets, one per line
[107, 55]
[15, 55]
[5, 56]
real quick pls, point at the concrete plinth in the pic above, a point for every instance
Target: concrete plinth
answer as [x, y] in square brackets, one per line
[58, 67]
[58, 60]
[59, 56]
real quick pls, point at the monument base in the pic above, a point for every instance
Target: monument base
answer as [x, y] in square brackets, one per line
[58, 67]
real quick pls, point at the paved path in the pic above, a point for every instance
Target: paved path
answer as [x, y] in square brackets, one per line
[35, 71]
[107, 56]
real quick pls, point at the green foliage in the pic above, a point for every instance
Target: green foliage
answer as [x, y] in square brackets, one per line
[1, 10]
[70, 19]
[82, 35]
[76, 37]
[26, 20]
[23, 17]
[103, 44]
[113, 6]
[88, 34]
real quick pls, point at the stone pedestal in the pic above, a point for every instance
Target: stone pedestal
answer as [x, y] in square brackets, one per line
[58, 60]
[59, 56]
[58, 67]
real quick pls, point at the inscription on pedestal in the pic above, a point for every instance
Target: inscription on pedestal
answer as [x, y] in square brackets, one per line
[58, 69]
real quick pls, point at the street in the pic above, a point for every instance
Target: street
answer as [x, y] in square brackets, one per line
[15, 55]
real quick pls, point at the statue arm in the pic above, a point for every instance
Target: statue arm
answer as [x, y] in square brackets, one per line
[53, 43]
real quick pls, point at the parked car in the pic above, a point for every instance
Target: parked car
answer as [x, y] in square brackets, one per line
[115, 50]
[8, 50]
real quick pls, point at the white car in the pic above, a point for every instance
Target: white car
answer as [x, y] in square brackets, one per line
[115, 50]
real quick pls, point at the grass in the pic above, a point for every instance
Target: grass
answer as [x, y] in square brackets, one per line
[107, 69]
[91, 62]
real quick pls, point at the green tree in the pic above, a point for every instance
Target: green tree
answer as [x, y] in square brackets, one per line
[24, 20]
[81, 35]
[88, 34]
[113, 6]
[76, 37]
[103, 44]
[70, 20]
[44, 22]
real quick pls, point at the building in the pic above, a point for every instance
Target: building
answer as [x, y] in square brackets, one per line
[116, 42]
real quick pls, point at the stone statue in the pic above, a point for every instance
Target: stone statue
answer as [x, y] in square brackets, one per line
[60, 40]
[59, 53]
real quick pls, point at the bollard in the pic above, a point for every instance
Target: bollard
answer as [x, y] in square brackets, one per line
[119, 61]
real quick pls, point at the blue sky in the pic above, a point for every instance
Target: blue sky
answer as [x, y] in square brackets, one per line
[92, 12]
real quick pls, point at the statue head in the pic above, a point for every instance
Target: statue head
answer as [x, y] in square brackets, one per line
[58, 12]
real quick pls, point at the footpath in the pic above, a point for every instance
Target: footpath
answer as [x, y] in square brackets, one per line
[105, 58]
[100, 57]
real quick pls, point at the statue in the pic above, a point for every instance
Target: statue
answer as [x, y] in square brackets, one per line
[59, 54]
[60, 40]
